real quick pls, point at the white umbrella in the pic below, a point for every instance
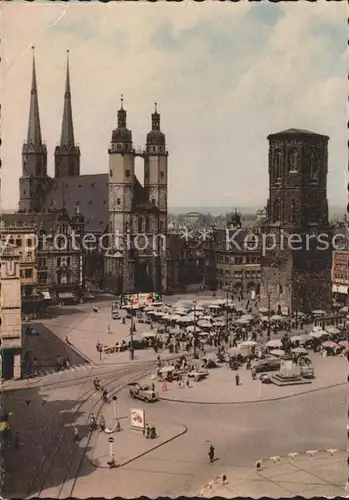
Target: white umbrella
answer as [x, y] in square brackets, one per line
[319, 312]
[299, 350]
[263, 309]
[186, 319]
[175, 317]
[277, 352]
[148, 335]
[274, 343]
[332, 329]
[166, 369]
[264, 318]
[219, 302]
[197, 308]
[242, 321]
[206, 318]
[248, 343]
[277, 317]
[213, 306]
[179, 312]
[318, 334]
[204, 324]
[249, 317]
[218, 322]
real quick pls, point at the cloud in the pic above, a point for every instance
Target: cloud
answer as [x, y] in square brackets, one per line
[224, 75]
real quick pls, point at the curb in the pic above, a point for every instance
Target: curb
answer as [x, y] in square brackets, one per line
[288, 396]
[136, 457]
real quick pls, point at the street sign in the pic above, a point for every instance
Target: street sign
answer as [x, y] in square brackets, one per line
[111, 440]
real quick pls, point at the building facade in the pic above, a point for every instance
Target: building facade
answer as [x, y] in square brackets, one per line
[136, 259]
[340, 276]
[296, 266]
[10, 311]
[232, 261]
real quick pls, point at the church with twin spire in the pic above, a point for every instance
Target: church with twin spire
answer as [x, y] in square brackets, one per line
[113, 203]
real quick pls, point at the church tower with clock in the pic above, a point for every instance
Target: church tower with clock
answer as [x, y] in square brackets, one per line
[296, 261]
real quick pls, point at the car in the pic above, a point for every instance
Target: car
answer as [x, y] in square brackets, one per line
[267, 365]
[115, 315]
[198, 374]
[142, 392]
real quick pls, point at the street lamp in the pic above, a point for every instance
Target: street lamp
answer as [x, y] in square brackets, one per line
[114, 406]
[132, 354]
[195, 332]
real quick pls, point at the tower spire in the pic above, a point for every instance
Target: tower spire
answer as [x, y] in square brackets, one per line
[67, 135]
[34, 129]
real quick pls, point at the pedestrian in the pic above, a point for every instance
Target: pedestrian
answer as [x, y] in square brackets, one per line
[76, 438]
[153, 387]
[237, 379]
[17, 441]
[164, 385]
[211, 452]
[102, 423]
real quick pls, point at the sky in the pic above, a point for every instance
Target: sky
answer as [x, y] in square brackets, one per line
[224, 75]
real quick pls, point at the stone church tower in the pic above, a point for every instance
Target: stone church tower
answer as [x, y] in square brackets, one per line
[296, 266]
[136, 262]
[34, 180]
[67, 154]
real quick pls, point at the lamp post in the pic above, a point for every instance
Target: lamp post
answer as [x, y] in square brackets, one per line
[132, 354]
[269, 326]
[195, 332]
[114, 406]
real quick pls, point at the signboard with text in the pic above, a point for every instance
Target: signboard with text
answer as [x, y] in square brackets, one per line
[139, 300]
[340, 268]
[137, 418]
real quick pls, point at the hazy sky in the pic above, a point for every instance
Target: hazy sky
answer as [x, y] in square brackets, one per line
[224, 75]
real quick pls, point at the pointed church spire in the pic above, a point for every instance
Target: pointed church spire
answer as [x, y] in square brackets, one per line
[155, 118]
[34, 129]
[67, 136]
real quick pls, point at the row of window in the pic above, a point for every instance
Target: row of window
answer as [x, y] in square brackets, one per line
[310, 214]
[248, 259]
[18, 241]
[293, 161]
[26, 273]
[146, 175]
[239, 274]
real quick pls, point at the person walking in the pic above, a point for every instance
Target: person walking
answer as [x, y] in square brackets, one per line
[76, 437]
[211, 453]
[237, 379]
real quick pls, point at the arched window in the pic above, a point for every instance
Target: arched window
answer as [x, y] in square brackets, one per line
[277, 211]
[140, 224]
[314, 167]
[277, 164]
[293, 211]
[293, 161]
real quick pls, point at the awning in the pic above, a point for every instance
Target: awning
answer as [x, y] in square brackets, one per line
[65, 295]
[340, 289]
[46, 295]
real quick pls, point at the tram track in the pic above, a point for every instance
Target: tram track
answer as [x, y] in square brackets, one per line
[43, 473]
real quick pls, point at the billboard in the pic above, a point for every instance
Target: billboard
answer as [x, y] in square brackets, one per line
[139, 299]
[137, 418]
[340, 268]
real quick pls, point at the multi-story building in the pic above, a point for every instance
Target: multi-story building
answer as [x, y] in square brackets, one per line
[52, 242]
[232, 261]
[23, 235]
[296, 267]
[340, 276]
[10, 312]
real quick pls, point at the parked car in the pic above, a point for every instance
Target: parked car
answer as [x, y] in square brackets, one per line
[267, 365]
[115, 315]
[198, 374]
[143, 392]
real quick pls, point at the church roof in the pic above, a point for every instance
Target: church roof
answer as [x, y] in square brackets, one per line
[90, 192]
[36, 221]
[141, 201]
[296, 131]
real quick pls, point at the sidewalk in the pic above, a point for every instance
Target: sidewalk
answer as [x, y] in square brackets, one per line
[130, 444]
[323, 475]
